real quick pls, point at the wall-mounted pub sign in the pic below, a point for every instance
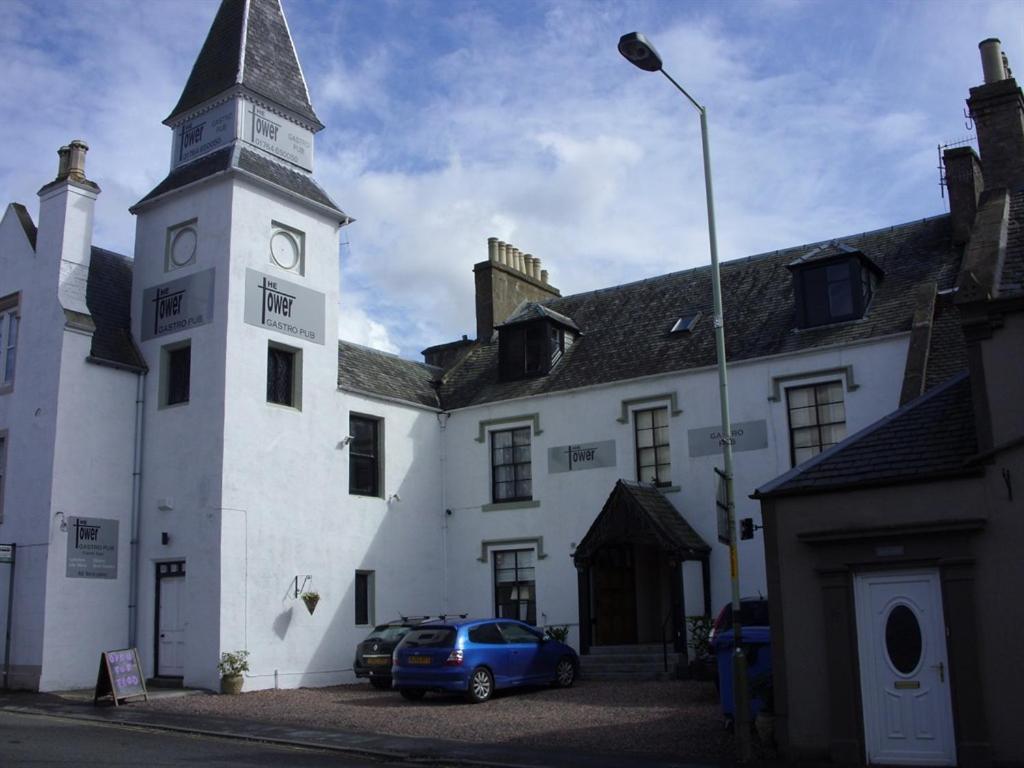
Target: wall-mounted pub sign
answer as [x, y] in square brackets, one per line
[570, 458]
[204, 133]
[271, 302]
[746, 435]
[177, 305]
[92, 548]
[278, 136]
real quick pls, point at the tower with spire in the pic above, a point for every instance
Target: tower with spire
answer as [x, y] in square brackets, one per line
[234, 306]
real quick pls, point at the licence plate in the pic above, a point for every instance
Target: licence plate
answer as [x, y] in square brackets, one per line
[419, 659]
[377, 661]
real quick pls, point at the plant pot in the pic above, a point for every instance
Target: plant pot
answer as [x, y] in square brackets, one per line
[231, 684]
[764, 724]
[311, 601]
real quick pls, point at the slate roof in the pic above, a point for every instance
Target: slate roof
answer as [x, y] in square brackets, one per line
[830, 250]
[928, 438]
[269, 67]
[626, 329]
[640, 513]
[1011, 282]
[249, 161]
[371, 371]
[108, 297]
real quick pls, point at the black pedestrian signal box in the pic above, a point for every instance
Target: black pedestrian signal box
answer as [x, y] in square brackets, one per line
[120, 677]
[747, 528]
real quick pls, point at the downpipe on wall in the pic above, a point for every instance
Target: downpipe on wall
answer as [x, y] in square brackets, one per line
[442, 420]
[133, 572]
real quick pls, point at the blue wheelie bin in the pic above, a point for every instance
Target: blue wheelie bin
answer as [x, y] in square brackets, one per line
[757, 642]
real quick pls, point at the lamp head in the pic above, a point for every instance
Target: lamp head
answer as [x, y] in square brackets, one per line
[640, 52]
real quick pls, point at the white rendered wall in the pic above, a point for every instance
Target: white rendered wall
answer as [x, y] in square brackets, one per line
[570, 501]
[92, 477]
[183, 443]
[29, 414]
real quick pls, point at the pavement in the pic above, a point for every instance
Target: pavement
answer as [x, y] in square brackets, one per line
[78, 705]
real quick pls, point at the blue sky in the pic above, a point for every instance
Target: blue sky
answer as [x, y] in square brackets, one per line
[449, 122]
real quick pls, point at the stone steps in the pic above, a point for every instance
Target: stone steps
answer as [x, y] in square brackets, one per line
[630, 662]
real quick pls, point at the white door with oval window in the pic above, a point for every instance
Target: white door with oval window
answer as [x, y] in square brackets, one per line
[904, 670]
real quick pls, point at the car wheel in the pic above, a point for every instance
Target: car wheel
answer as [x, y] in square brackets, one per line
[481, 686]
[565, 673]
[412, 694]
[380, 683]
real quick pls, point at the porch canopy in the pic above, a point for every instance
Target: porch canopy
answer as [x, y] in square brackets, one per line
[637, 515]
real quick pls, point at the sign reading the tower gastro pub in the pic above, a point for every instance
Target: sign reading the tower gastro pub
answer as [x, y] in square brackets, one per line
[178, 305]
[570, 458]
[92, 548]
[271, 302]
[204, 133]
[278, 136]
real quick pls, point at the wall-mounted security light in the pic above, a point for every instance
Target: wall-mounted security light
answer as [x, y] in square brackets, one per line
[63, 523]
[394, 497]
[346, 440]
[165, 504]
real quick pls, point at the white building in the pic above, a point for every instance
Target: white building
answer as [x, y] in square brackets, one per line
[188, 446]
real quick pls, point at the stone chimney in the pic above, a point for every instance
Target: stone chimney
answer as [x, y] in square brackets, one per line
[508, 278]
[66, 207]
[964, 184]
[997, 109]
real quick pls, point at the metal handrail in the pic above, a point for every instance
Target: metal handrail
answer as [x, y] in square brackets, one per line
[664, 642]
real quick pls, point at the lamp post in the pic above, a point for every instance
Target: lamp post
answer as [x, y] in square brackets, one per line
[639, 52]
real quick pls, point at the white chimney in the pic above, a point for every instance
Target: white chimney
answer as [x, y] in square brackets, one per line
[66, 207]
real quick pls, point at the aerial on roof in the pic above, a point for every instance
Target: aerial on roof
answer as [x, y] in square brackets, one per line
[267, 66]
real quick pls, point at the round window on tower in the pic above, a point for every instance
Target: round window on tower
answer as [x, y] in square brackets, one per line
[284, 250]
[183, 247]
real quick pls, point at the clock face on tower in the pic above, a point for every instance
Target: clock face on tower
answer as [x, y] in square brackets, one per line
[284, 250]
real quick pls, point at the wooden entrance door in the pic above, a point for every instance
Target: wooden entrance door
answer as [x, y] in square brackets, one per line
[170, 624]
[904, 670]
[615, 596]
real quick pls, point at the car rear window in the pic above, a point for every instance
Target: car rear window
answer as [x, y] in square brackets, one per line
[487, 634]
[389, 633]
[434, 637]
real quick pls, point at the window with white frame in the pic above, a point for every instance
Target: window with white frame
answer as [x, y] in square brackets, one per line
[817, 419]
[653, 456]
[511, 471]
[9, 317]
[364, 598]
[364, 455]
[515, 595]
[176, 373]
[284, 375]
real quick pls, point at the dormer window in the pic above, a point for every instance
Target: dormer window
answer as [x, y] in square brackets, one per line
[833, 284]
[532, 342]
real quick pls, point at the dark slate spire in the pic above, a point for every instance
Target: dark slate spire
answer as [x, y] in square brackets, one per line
[267, 67]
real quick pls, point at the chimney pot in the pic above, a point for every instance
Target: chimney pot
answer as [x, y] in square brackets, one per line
[544, 276]
[76, 160]
[992, 60]
[62, 162]
[520, 261]
[502, 252]
[492, 249]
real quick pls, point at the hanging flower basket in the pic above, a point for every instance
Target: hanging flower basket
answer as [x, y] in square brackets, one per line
[311, 599]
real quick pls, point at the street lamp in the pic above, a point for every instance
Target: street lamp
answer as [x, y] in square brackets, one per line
[636, 48]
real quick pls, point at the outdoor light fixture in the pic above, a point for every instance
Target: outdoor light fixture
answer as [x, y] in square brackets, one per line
[640, 53]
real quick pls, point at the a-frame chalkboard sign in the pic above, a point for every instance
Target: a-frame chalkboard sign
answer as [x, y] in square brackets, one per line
[120, 676]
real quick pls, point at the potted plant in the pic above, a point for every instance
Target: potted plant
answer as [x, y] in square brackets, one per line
[703, 665]
[310, 598]
[231, 666]
[762, 687]
[560, 634]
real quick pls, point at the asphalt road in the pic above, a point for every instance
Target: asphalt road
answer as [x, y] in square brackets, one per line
[38, 741]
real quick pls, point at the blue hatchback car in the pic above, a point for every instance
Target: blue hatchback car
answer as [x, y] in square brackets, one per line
[475, 657]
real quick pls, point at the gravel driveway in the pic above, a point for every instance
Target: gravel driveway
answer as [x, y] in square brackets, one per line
[678, 718]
